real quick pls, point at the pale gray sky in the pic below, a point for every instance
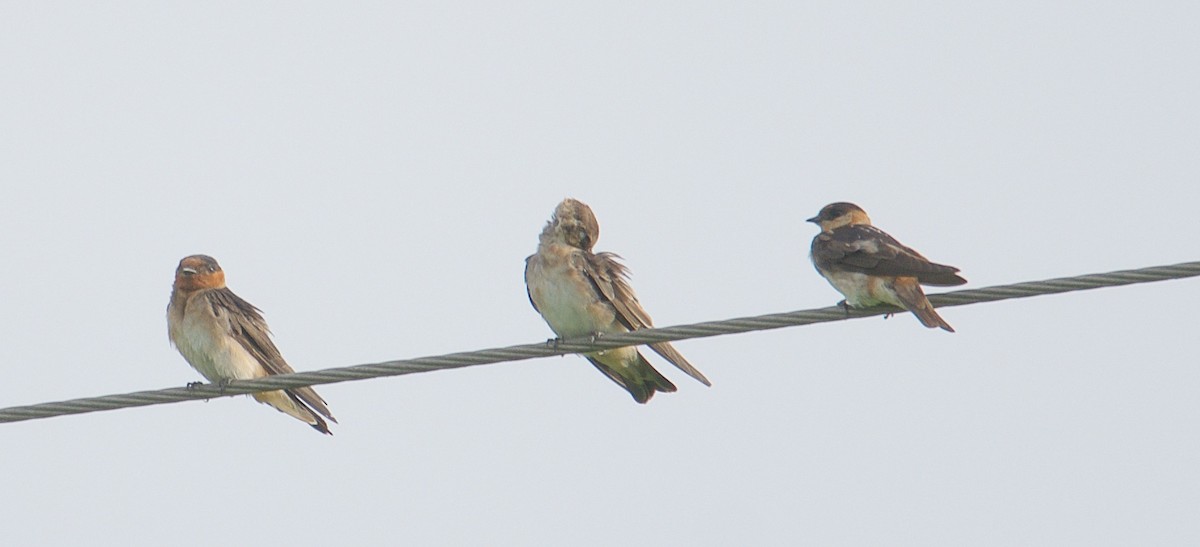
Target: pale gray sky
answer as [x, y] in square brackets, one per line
[373, 175]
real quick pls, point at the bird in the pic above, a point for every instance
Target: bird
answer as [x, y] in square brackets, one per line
[870, 268]
[225, 338]
[581, 293]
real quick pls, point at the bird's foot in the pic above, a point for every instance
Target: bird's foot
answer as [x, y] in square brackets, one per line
[224, 383]
[596, 336]
[553, 342]
[193, 386]
[845, 307]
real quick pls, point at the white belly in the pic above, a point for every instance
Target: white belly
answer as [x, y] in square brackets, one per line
[862, 290]
[210, 350]
[567, 301]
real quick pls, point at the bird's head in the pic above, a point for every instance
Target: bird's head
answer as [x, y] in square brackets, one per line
[842, 213]
[574, 224]
[199, 272]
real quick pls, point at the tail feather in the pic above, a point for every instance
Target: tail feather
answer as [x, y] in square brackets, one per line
[288, 403]
[931, 319]
[643, 384]
[914, 300]
[673, 356]
[307, 397]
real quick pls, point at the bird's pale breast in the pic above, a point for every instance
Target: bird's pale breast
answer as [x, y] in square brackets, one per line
[564, 296]
[207, 346]
[862, 290]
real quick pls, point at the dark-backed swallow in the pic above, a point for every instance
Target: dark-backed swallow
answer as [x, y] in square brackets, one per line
[225, 338]
[869, 267]
[580, 293]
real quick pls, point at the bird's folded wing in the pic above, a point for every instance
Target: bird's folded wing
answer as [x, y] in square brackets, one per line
[610, 278]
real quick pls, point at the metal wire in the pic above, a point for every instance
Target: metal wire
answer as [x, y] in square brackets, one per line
[586, 344]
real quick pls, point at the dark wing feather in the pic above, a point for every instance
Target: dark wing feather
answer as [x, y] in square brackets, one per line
[527, 293]
[246, 325]
[610, 278]
[869, 250]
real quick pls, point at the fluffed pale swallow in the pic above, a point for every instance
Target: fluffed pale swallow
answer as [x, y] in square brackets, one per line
[870, 268]
[225, 338]
[581, 293]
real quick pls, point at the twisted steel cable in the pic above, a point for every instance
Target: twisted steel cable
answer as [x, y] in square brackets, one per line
[587, 344]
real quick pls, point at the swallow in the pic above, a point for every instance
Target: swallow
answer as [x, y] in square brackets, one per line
[870, 268]
[581, 293]
[225, 338]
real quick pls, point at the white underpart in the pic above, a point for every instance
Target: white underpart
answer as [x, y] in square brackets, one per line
[563, 296]
[856, 287]
[210, 350]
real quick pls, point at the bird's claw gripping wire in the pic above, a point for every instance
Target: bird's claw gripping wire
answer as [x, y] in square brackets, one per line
[845, 306]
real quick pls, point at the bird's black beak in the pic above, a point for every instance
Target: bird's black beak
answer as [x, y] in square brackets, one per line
[814, 220]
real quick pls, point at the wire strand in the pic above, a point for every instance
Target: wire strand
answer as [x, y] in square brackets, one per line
[587, 344]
